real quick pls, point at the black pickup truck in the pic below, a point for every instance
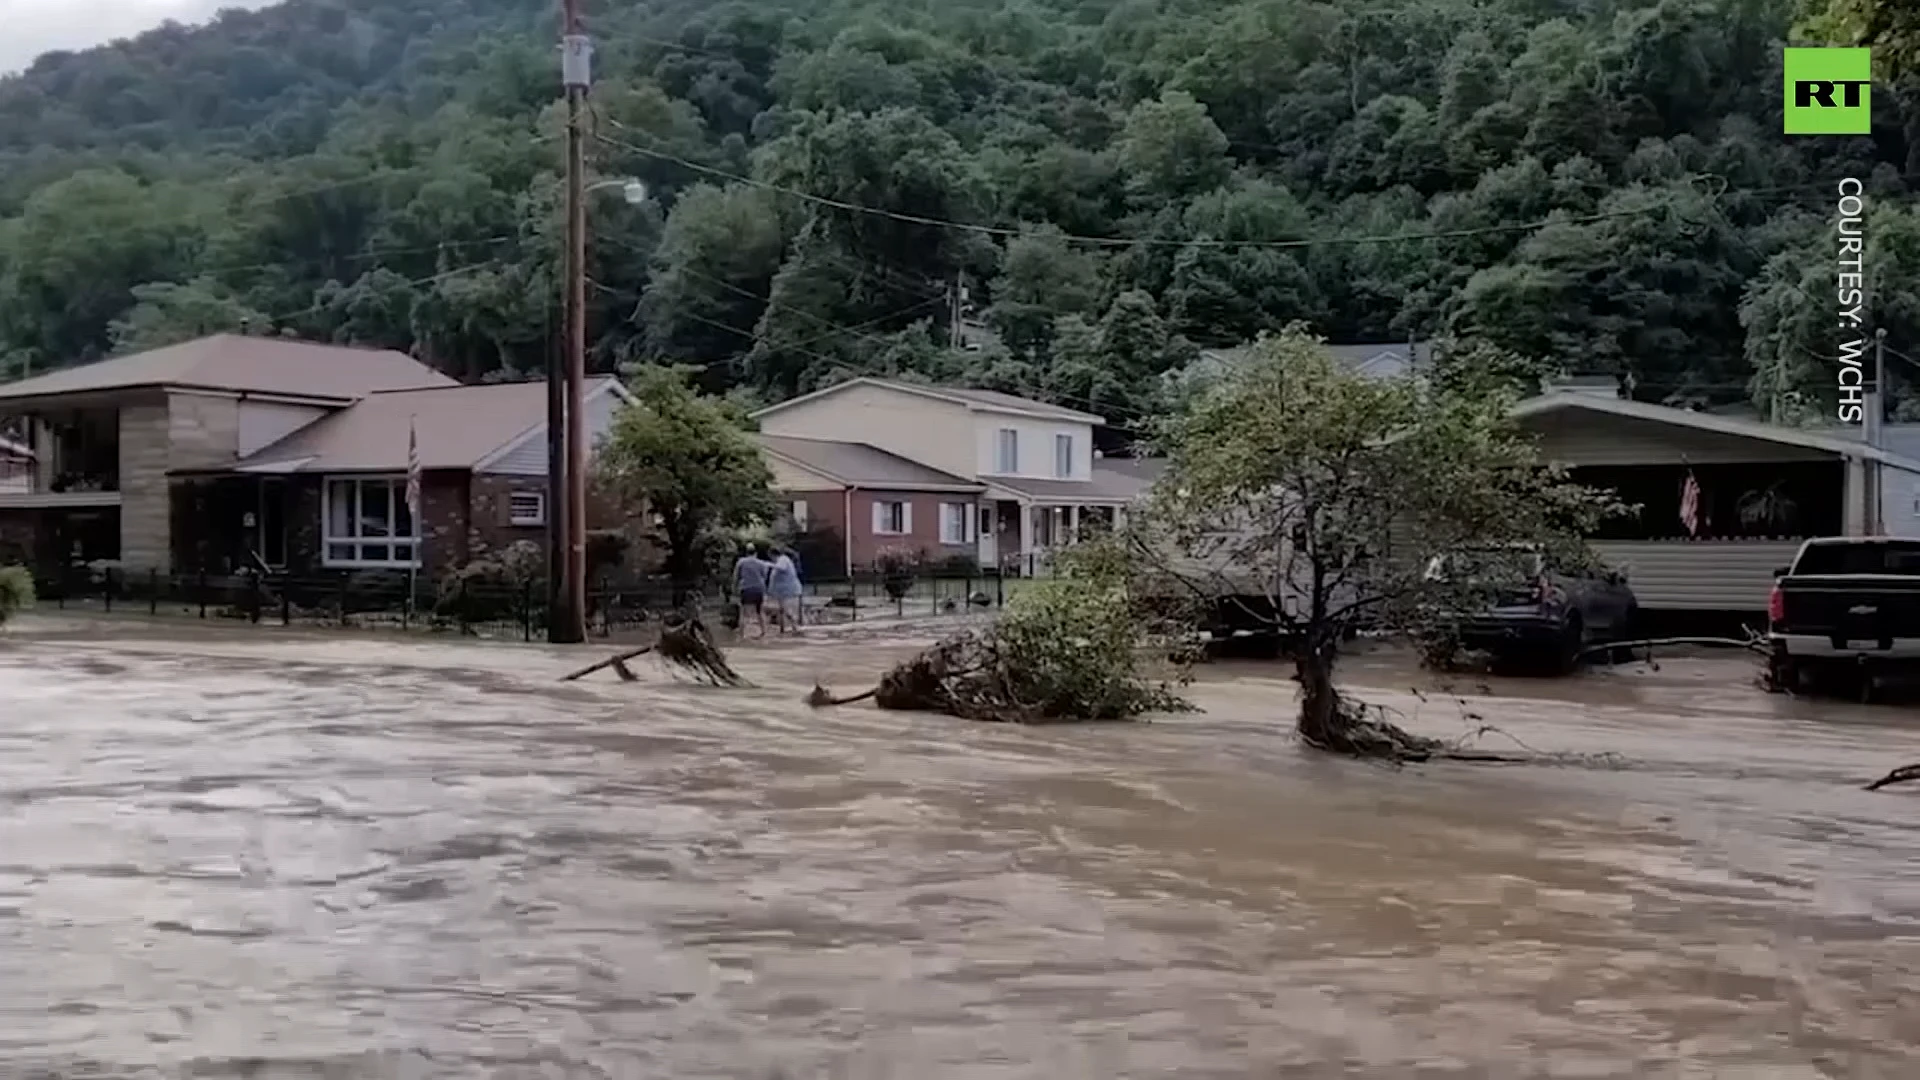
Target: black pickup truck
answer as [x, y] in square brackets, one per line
[1846, 603]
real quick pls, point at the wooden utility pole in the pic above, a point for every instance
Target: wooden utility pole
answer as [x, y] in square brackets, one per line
[1872, 418]
[566, 621]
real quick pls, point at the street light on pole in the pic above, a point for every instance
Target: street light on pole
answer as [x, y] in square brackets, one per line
[633, 191]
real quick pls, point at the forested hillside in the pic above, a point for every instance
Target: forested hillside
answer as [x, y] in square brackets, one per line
[1591, 185]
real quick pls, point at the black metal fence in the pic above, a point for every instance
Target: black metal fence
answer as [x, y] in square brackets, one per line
[480, 608]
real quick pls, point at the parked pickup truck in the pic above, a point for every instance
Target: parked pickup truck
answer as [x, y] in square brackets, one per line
[1849, 602]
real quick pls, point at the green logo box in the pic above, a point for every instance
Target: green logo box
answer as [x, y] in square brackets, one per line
[1829, 92]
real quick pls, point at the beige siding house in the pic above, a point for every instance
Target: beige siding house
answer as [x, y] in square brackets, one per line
[1036, 462]
[1762, 490]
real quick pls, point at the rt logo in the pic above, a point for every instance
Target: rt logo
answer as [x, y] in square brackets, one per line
[1829, 92]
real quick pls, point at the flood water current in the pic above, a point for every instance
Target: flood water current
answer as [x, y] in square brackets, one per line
[277, 855]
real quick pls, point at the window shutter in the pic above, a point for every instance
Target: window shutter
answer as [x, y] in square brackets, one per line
[906, 517]
[879, 517]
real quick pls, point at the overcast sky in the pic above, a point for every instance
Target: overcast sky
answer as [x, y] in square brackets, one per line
[31, 27]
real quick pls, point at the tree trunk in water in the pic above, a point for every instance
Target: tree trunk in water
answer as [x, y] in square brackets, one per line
[1319, 704]
[679, 566]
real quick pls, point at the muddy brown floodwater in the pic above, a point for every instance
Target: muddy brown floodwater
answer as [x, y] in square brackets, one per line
[283, 856]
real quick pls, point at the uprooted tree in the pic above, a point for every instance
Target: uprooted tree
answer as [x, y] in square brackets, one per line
[686, 465]
[1078, 646]
[685, 644]
[1322, 502]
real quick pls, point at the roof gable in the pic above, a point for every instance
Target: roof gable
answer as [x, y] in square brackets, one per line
[972, 400]
[457, 427]
[233, 363]
[859, 465]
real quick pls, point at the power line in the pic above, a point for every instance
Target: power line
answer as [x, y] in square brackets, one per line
[360, 256]
[715, 323]
[430, 279]
[1123, 242]
[835, 329]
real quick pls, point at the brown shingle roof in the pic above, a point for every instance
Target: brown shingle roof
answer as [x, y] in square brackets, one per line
[863, 466]
[457, 426]
[235, 363]
[1106, 485]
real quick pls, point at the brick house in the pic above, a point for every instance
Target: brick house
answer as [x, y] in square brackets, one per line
[1028, 469]
[864, 500]
[342, 483]
[231, 452]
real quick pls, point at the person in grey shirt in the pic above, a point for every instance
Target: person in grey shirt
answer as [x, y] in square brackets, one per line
[750, 573]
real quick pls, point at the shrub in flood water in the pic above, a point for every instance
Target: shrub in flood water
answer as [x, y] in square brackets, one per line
[1068, 648]
[16, 591]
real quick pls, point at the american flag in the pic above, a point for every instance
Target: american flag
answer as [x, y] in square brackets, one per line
[413, 473]
[1690, 505]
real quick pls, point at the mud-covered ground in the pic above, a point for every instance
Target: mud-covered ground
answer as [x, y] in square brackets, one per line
[281, 854]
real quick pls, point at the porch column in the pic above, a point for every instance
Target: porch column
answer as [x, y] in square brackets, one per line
[1073, 525]
[1856, 497]
[1026, 511]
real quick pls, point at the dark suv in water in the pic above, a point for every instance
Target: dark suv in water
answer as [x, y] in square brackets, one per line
[1534, 608]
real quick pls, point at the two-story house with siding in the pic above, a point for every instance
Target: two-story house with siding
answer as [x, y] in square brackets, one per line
[233, 452]
[1031, 467]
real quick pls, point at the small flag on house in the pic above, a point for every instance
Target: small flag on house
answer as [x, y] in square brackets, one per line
[1690, 504]
[413, 472]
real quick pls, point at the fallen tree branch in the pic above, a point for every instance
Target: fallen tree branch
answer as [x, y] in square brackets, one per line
[1752, 644]
[618, 659]
[822, 698]
[1900, 775]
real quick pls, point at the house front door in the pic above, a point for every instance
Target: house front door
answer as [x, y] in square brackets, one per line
[989, 554]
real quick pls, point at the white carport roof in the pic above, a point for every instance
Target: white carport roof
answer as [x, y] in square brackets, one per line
[1719, 425]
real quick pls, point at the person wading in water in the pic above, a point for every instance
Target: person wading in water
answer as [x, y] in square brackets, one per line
[750, 574]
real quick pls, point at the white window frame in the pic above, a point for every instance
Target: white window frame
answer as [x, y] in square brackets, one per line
[959, 513]
[798, 512]
[1006, 451]
[1063, 457]
[397, 500]
[539, 514]
[881, 526]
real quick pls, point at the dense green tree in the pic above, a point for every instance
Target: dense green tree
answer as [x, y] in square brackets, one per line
[1042, 279]
[1171, 149]
[686, 465]
[1596, 186]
